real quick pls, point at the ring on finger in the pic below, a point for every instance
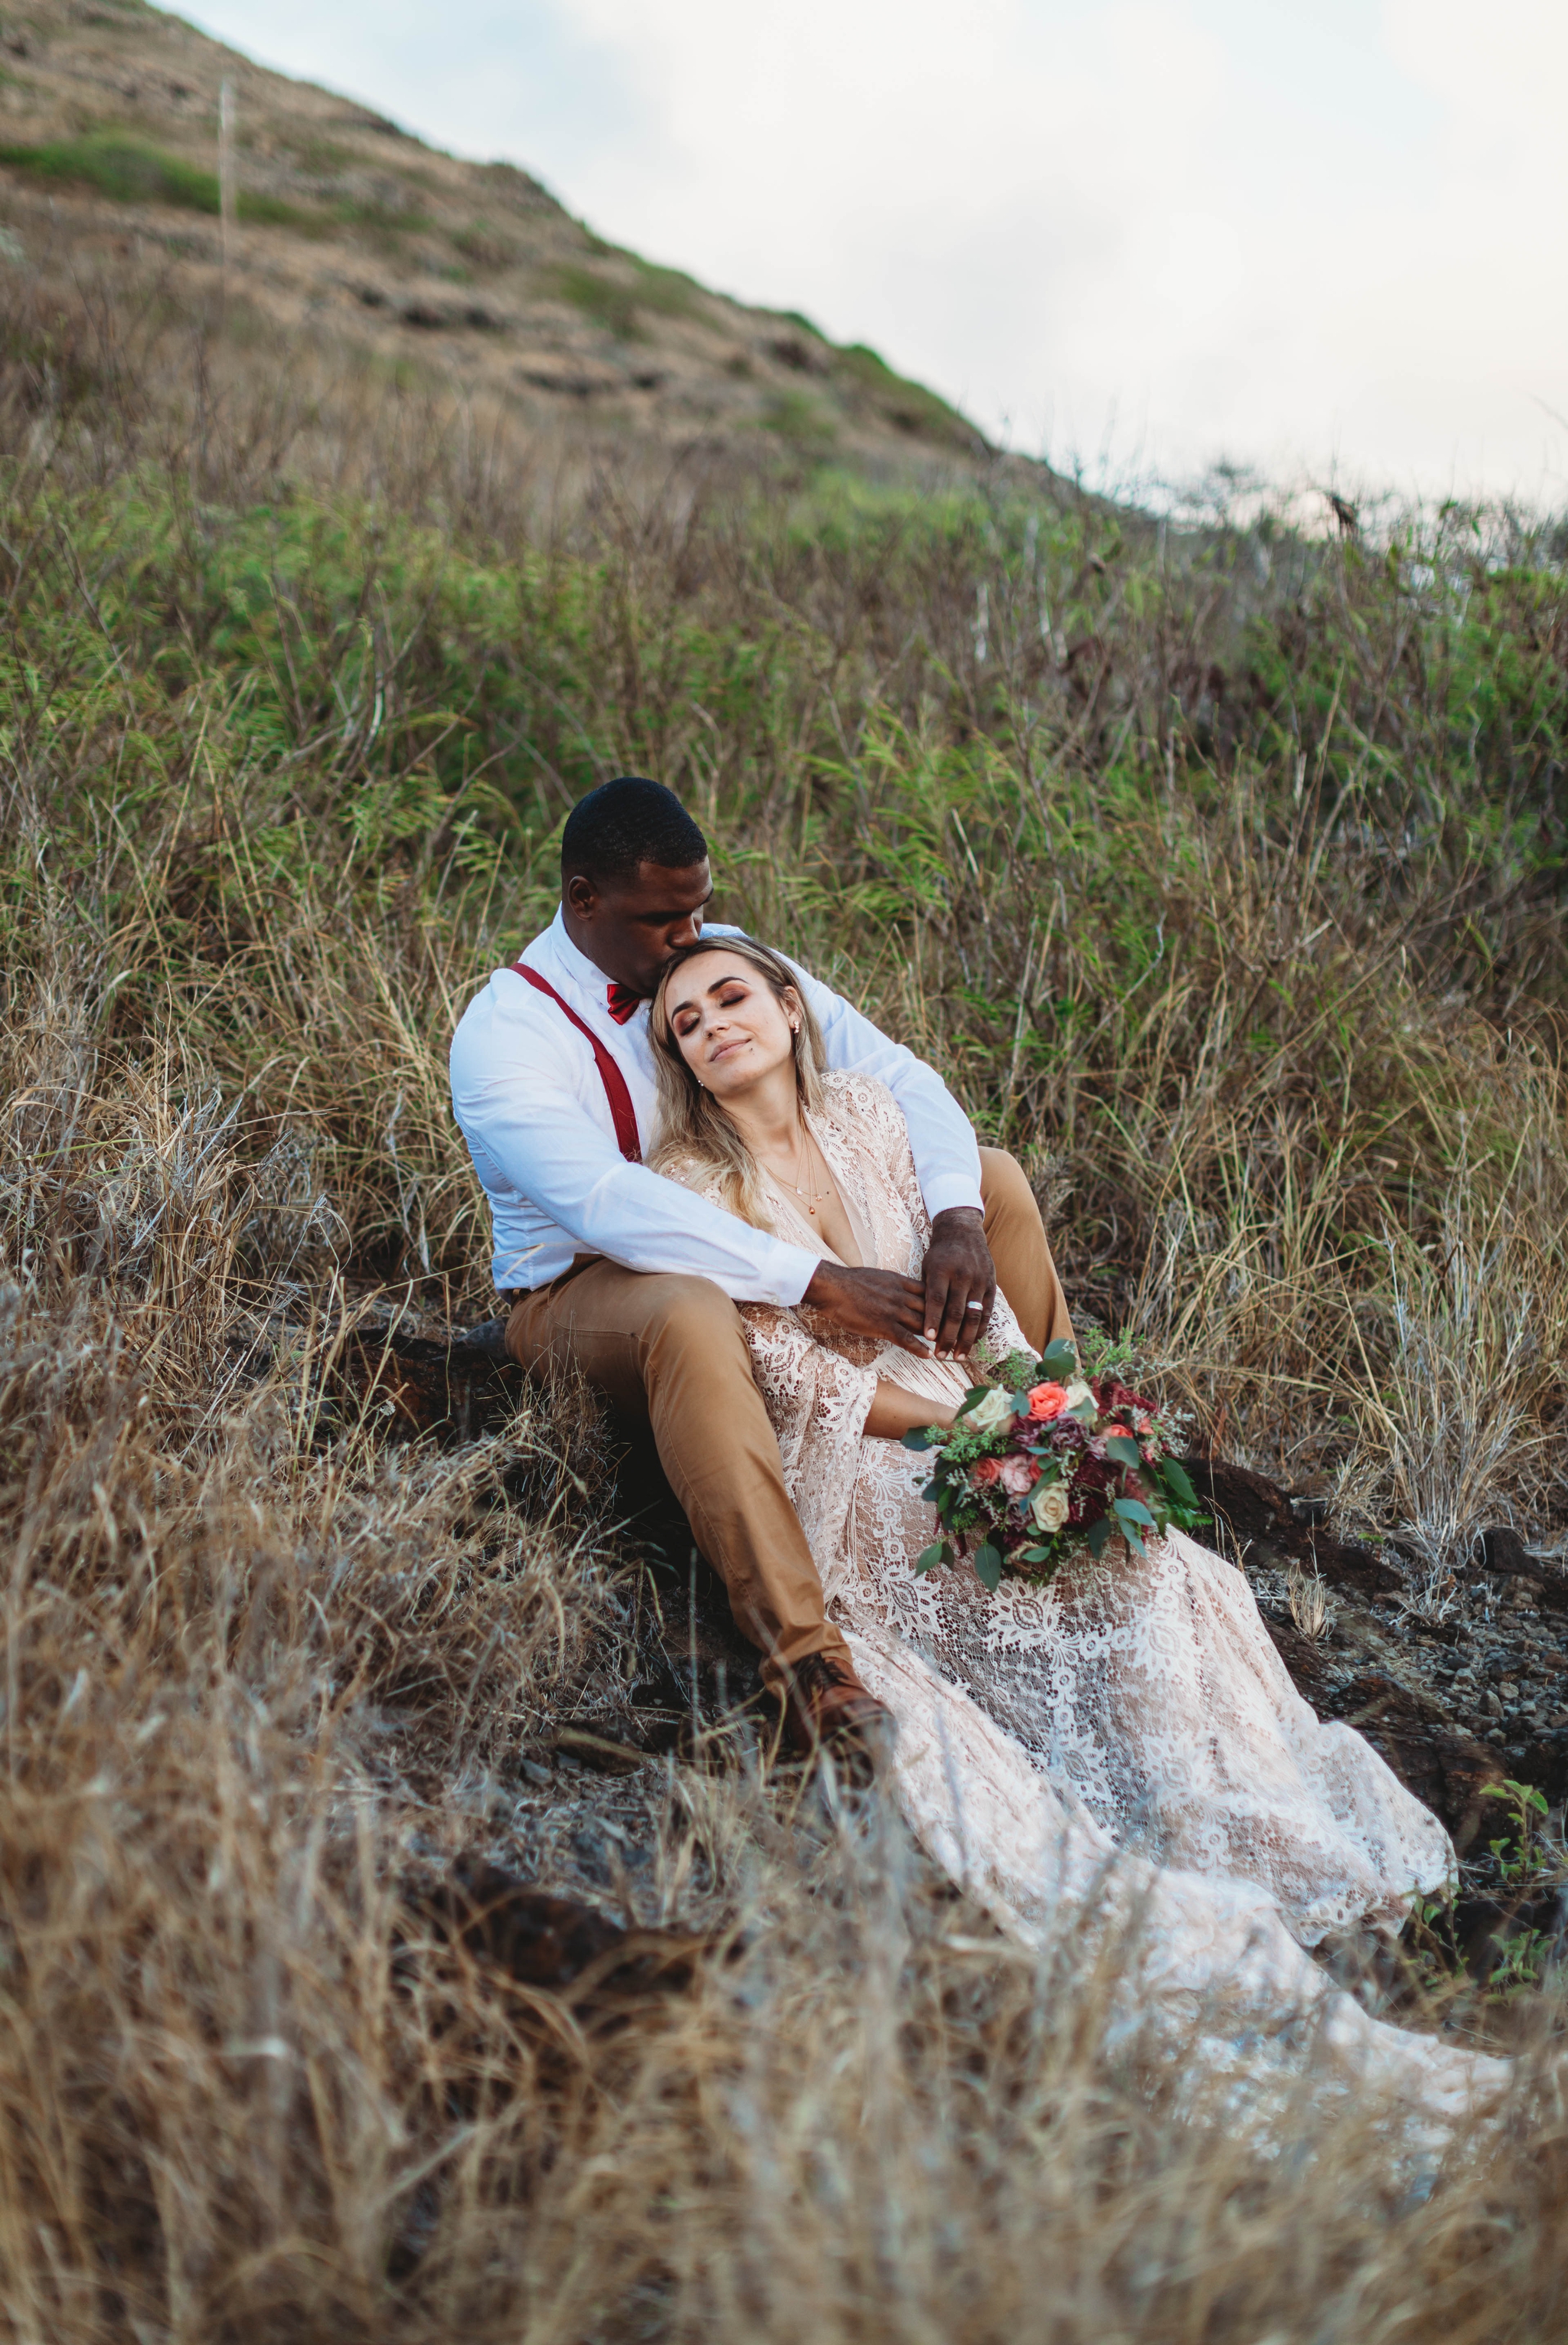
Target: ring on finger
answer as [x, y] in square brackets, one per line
[974, 1307]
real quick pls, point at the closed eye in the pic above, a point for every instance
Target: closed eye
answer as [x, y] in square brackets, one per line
[727, 994]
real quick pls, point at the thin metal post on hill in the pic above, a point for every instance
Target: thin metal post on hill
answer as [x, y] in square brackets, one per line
[225, 168]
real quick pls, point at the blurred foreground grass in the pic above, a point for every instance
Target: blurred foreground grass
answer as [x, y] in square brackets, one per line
[1221, 872]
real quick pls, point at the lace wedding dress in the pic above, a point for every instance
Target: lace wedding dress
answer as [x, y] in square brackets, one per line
[1116, 1764]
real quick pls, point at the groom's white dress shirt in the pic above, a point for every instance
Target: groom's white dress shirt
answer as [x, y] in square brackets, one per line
[532, 1106]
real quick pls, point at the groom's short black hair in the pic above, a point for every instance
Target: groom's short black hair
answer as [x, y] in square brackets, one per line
[626, 822]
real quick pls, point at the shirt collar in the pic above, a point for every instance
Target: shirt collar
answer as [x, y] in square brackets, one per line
[574, 965]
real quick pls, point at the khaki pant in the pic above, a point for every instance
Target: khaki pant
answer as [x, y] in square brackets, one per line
[671, 1350]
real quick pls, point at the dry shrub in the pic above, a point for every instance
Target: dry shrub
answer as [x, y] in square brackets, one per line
[1466, 1430]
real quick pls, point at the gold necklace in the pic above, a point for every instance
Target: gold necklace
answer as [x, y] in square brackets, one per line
[799, 1188]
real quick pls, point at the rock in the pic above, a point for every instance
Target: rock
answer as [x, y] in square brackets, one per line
[1433, 1755]
[450, 317]
[452, 1381]
[556, 1943]
[1257, 1511]
[801, 356]
[1502, 1550]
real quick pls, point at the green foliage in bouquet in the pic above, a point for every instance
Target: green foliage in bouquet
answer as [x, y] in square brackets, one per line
[1046, 1462]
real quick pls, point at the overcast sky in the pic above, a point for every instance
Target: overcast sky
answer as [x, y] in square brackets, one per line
[1327, 238]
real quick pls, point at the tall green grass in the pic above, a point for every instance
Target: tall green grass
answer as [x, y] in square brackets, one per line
[1237, 898]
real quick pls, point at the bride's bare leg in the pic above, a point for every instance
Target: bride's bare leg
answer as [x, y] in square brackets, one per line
[1021, 1251]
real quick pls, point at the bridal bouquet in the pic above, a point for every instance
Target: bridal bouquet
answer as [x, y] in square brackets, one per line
[1048, 1462]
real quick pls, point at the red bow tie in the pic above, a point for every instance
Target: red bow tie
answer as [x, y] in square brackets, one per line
[623, 1001]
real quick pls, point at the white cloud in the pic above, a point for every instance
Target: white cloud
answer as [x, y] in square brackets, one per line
[1294, 231]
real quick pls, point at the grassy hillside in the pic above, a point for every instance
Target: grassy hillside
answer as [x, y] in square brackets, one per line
[354, 244]
[1222, 875]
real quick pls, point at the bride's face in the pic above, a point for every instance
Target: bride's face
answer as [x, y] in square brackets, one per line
[728, 1024]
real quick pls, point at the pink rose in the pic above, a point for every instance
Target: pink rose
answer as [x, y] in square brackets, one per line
[1046, 1401]
[1017, 1475]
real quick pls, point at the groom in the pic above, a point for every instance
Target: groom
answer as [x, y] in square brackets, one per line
[634, 1280]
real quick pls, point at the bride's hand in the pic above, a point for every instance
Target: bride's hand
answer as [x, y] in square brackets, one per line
[881, 1304]
[960, 1282]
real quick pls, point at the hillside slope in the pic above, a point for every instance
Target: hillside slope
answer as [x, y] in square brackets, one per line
[347, 229]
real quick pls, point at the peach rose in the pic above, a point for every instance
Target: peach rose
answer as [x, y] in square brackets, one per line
[1046, 1401]
[985, 1471]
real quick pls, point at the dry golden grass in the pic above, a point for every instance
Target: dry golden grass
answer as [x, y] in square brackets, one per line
[280, 781]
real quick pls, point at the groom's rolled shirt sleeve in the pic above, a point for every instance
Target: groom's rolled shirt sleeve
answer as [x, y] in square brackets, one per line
[942, 1138]
[528, 1119]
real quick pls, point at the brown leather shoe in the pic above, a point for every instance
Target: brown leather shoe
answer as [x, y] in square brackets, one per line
[825, 1705]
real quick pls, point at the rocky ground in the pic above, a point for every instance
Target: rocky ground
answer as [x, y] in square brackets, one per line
[1462, 1691]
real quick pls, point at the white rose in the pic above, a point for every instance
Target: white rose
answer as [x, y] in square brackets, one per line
[1077, 1393]
[1049, 1506]
[994, 1414]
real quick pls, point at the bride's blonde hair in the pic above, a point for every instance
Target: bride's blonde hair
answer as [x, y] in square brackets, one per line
[694, 1129]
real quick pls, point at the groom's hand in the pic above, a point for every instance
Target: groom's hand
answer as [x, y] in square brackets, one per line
[959, 1281]
[881, 1304]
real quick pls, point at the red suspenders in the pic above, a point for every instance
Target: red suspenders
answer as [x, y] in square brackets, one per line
[623, 1115]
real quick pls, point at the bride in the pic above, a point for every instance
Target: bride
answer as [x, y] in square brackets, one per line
[1116, 1760]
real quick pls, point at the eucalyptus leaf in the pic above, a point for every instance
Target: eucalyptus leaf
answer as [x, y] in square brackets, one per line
[975, 1392]
[1124, 1452]
[988, 1566]
[1133, 1510]
[920, 1437]
[929, 1557]
[1178, 1482]
[1098, 1534]
[1059, 1359]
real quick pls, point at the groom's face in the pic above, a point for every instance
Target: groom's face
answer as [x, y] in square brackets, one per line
[633, 929]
